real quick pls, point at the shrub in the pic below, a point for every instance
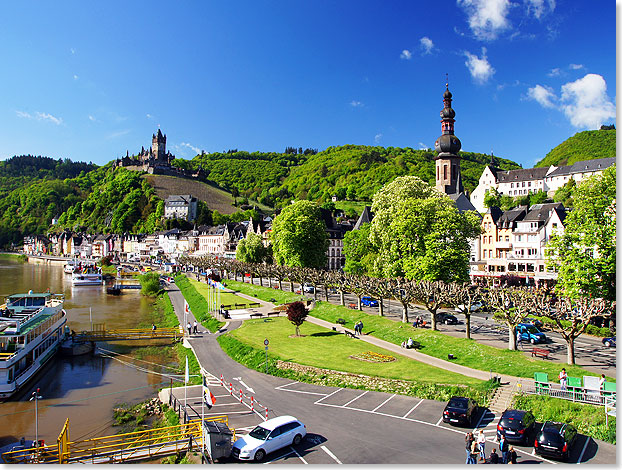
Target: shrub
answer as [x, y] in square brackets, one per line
[150, 283]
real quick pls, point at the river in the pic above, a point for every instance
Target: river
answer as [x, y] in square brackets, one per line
[84, 388]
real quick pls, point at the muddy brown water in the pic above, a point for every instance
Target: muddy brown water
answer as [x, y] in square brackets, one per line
[84, 389]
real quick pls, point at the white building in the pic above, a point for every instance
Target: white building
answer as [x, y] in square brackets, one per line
[181, 207]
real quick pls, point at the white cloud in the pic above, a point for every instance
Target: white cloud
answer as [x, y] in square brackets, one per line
[356, 104]
[575, 66]
[72, 50]
[40, 117]
[92, 118]
[149, 116]
[585, 102]
[406, 54]
[197, 150]
[75, 77]
[543, 95]
[555, 72]
[479, 67]
[426, 44]
[422, 146]
[540, 8]
[378, 138]
[487, 18]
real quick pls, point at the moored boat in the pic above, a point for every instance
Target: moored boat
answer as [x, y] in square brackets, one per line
[70, 266]
[32, 330]
[88, 276]
[76, 347]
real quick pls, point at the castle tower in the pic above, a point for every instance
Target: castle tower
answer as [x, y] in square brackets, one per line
[448, 178]
[158, 146]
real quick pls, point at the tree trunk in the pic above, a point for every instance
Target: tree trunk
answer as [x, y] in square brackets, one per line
[291, 286]
[512, 335]
[570, 348]
[358, 301]
[380, 308]
[433, 320]
[405, 313]
[326, 293]
[341, 299]
[315, 293]
[467, 320]
[297, 330]
[260, 281]
[280, 285]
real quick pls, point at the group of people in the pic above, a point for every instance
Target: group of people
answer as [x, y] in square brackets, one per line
[419, 322]
[358, 328]
[192, 328]
[408, 344]
[563, 380]
[476, 450]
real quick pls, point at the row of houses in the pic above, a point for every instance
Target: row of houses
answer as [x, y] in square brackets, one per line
[219, 240]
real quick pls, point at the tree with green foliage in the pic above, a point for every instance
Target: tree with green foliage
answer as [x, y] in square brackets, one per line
[565, 193]
[419, 233]
[299, 236]
[538, 198]
[252, 250]
[358, 251]
[585, 253]
[492, 198]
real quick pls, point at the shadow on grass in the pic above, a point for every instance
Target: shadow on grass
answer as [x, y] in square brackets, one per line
[325, 333]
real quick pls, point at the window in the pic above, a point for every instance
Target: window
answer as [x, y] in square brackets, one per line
[554, 224]
[444, 171]
[529, 184]
[511, 185]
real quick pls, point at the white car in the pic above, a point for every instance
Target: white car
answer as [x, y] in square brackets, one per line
[269, 436]
[308, 288]
[475, 307]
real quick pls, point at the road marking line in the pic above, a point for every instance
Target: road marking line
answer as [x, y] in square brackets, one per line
[330, 454]
[412, 409]
[329, 395]
[282, 387]
[438, 423]
[356, 398]
[300, 456]
[587, 440]
[383, 402]
[301, 391]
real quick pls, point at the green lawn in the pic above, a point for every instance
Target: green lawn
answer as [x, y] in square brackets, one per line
[468, 353]
[263, 293]
[226, 298]
[319, 347]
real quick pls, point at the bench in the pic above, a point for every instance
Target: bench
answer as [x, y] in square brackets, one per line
[273, 313]
[240, 305]
[540, 352]
[254, 304]
[256, 314]
[349, 333]
[226, 307]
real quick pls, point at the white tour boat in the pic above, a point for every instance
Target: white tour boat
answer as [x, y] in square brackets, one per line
[70, 266]
[87, 277]
[32, 327]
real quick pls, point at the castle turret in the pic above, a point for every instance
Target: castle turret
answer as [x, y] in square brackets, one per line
[448, 179]
[158, 146]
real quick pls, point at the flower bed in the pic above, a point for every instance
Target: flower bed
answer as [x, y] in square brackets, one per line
[371, 356]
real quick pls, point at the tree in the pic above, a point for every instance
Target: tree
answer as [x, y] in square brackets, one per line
[565, 193]
[297, 314]
[252, 250]
[465, 295]
[299, 236]
[492, 198]
[419, 233]
[358, 250]
[510, 305]
[585, 253]
[433, 295]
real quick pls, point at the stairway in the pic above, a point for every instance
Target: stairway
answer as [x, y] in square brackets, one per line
[502, 397]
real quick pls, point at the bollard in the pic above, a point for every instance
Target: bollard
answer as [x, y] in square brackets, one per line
[230, 388]
[241, 394]
[266, 414]
[222, 380]
[252, 403]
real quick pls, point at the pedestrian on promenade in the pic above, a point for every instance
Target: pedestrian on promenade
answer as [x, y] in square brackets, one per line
[504, 448]
[563, 377]
[474, 451]
[601, 382]
[494, 457]
[468, 440]
[481, 441]
[194, 327]
[189, 327]
[153, 329]
[512, 455]
[360, 327]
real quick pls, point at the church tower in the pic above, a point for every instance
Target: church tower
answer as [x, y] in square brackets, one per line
[158, 146]
[448, 178]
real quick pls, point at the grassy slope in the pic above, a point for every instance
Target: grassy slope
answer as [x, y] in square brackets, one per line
[197, 303]
[468, 353]
[585, 145]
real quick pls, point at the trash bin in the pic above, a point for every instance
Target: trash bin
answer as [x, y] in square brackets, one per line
[217, 439]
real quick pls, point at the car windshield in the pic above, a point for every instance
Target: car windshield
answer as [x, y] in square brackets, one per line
[457, 403]
[259, 433]
[533, 330]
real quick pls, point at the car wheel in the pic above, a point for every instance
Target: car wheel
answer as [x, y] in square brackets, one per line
[259, 455]
[608, 344]
[532, 341]
[297, 439]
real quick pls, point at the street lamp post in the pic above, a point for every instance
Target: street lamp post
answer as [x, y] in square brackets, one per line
[36, 397]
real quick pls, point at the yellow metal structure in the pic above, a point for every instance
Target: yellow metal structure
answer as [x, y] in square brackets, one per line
[127, 447]
[100, 333]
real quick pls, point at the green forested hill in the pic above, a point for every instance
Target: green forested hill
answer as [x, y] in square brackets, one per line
[586, 145]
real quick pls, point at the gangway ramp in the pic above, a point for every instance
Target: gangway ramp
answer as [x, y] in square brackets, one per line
[99, 332]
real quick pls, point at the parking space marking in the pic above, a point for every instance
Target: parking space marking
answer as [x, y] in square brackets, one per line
[587, 440]
[334, 457]
[412, 409]
[438, 423]
[355, 398]
[300, 456]
[329, 395]
[282, 387]
[383, 402]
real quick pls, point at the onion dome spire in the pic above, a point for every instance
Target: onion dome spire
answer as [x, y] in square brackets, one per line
[447, 144]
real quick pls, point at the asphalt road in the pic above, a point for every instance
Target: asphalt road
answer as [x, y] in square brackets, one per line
[351, 426]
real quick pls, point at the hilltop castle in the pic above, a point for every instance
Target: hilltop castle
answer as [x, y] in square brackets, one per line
[154, 160]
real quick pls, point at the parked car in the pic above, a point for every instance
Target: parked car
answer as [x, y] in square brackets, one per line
[610, 342]
[537, 323]
[529, 332]
[369, 302]
[446, 318]
[516, 425]
[268, 437]
[308, 288]
[555, 440]
[459, 410]
[475, 307]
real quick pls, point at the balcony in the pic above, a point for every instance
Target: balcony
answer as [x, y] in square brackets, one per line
[503, 245]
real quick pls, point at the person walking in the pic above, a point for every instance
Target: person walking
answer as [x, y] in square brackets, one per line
[468, 440]
[563, 377]
[504, 448]
[189, 327]
[481, 442]
[194, 327]
[512, 455]
[474, 451]
[360, 327]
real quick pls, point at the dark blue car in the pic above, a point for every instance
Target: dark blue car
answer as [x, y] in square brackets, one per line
[610, 342]
[369, 302]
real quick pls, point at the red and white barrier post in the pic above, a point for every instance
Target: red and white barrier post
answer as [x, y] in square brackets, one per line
[230, 388]
[252, 403]
[241, 395]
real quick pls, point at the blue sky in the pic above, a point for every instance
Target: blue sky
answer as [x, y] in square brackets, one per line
[90, 80]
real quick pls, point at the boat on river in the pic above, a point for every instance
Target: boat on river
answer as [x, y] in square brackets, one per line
[76, 347]
[32, 328]
[69, 267]
[87, 276]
